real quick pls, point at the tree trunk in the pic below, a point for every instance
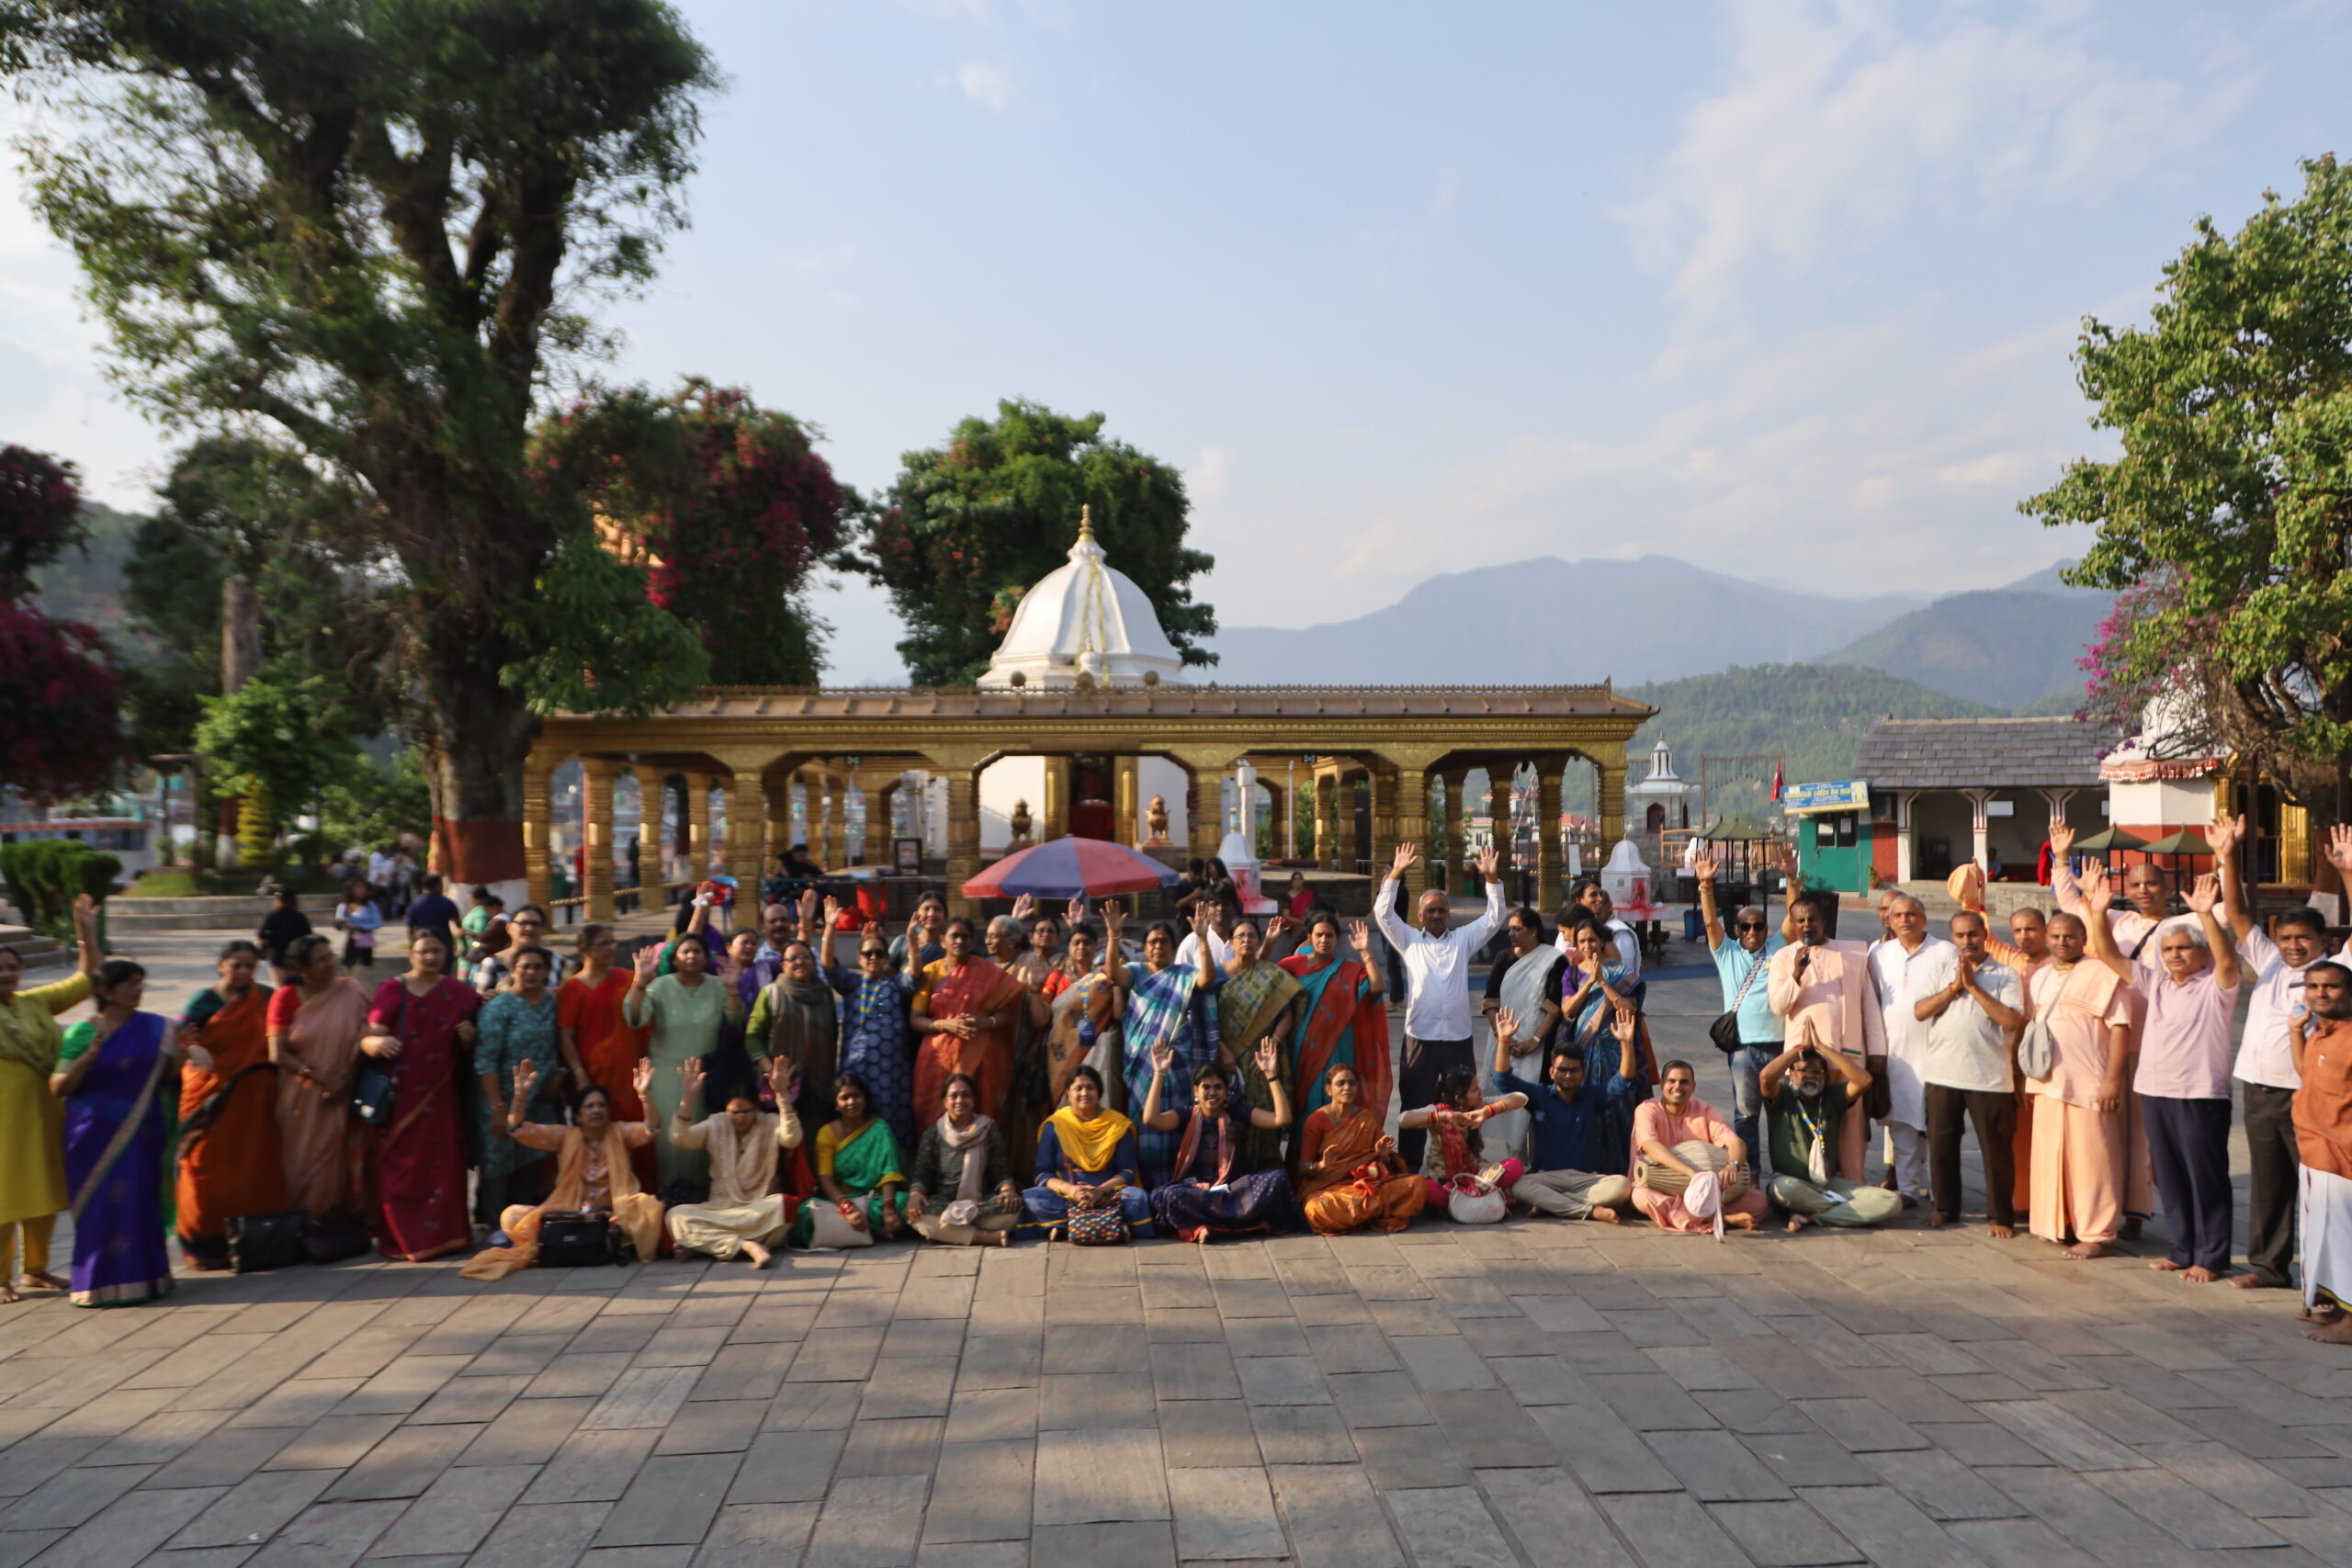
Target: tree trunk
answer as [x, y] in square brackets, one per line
[481, 733]
[240, 633]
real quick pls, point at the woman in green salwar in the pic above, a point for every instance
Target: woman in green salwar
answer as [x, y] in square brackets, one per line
[1256, 1001]
[857, 1168]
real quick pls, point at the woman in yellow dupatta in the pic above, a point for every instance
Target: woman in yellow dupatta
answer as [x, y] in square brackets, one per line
[1255, 1002]
[593, 1174]
[33, 1120]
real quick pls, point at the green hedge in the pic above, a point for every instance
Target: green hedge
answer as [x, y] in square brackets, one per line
[45, 874]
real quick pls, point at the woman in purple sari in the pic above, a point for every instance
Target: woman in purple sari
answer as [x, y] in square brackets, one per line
[119, 1074]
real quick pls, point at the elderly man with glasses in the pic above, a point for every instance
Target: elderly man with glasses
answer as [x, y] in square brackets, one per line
[1742, 960]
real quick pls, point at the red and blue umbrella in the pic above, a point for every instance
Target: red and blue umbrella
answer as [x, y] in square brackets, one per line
[1070, 868]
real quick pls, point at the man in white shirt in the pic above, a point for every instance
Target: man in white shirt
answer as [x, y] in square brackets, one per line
[1589, 894]
[1225, 913]
[1975, 1013]
[2274, 963]
[1900, 967]
[1437, 984]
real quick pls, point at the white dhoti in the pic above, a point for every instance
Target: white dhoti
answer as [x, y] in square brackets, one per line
[722, 1229]
[2327, 1239]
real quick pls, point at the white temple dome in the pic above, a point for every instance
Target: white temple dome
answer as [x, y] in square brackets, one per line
[1084, 615]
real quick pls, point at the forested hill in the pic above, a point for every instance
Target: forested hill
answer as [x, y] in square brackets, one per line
[1814, 714]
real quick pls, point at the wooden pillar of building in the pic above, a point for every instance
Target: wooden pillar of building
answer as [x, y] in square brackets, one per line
[538, 827]
[1548, 859]
[1324, 851]
[596, 776]
[960, 771]
[776, 813]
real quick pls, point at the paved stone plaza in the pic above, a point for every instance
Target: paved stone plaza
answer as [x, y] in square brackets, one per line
[1539, 1392]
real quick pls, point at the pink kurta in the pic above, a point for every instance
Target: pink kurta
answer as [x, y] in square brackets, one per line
[1699, 1124]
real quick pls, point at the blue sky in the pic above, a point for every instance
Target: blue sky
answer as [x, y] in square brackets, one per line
[1784, 289]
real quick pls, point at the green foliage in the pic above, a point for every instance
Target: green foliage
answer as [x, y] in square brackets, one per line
[45, 875]
[597, 643]
[726, 504]
[373, 224]
[968, 528]
[2229, 515]
[374, 804]
[277, 742]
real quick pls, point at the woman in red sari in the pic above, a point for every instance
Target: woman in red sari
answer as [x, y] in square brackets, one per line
[965, 1015]
[230, 1164]
[422, 1026]
[599, 1047]
[1345, 1020]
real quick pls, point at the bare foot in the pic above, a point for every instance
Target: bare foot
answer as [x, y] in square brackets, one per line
[2250, 1281]
[2083, 1251]
[1739, 1222]
[2002, 1233]
[1604, 1215]
[8, 1295]
[43, 1280]
[2325, 1314]
[1798, 1221]
[2339, 1332]
[1937, 1221]
[1202, 1238]
[2165, 1266]
[996, 1238]
[760, 1256]
[2199, 1274]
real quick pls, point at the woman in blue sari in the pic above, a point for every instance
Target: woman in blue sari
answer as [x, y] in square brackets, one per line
[1213, 1192]
[1593, 991]
[118, 1074]
[1171, 1008]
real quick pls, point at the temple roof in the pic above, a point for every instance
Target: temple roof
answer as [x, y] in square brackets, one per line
[1273, 701]
[1083, 619]
[1982, 753]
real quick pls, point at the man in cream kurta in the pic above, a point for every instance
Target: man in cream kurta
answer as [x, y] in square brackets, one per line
[1904, 968]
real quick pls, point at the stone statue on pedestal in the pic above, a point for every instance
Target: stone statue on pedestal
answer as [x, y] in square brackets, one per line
[1020, 825]
[1157, 817]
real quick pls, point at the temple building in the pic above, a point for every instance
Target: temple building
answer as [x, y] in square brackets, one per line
[1084, 715]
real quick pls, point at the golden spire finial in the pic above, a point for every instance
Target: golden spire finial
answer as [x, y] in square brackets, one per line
[1086, 521]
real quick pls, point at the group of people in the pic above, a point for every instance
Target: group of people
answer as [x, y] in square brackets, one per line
[2090, 1050]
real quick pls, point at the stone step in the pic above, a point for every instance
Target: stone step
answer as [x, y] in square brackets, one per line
[200, 914]
[35, 950]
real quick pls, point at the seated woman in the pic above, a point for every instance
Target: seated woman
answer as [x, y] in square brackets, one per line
[746, 1216]
[962, 1192]
[1213, 1194]
[1457, 1150]
[592, 1174]
[1086, 1159]
[1350, 1173]
[857, 1168]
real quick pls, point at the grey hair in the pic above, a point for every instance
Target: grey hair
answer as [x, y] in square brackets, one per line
[1004, 923]
[2195, 933]
[1906, 898]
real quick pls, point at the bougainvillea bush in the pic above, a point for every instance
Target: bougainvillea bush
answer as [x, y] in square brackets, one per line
[60, 705]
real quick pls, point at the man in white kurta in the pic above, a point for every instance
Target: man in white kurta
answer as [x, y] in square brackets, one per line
[1904, 967]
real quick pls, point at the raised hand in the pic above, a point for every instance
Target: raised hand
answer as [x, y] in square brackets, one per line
[1270, 1057]
[1704, 866]
[2339, 848]
[2205, 893]
[526, 1078]
[1162, 1058]
[833, 917]
[1506, 1024]
[1784, 859]
[640, 1078]
[1406, 854]
[1075, 914]
[2100, 894]
[2061, 837]
[1115, 918]
[1625, 1024]
[872, 928]
[1022, 907]
[644, 962]
[690, 1077]
[2225, 833]
[1490, 863]
[1276, 924]
[1360, 938]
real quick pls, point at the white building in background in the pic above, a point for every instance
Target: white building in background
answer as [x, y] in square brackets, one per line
[1661, 801]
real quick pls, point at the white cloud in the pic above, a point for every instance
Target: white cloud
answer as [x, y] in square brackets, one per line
[1211, 474]
[988, 84]
[1835, 123]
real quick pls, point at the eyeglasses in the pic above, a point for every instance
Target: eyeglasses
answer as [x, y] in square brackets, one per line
[1747, 926]
[874, 952]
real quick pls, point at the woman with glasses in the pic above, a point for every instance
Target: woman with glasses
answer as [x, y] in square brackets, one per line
[877, 1041]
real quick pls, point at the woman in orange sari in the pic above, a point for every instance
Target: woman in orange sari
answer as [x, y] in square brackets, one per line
[593, 1174]
[230, 1163]
[598, 1045]
[1345, 1019]
[965, 1015]
[1350, 1173]
[314, 1029]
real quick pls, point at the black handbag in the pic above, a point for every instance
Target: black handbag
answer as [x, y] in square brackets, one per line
[1725, 1031]
[572, 1240]
[261, 1241]
[375, 1087]
[336, 1237]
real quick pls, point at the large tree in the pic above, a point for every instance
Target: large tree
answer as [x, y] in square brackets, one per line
[968, 526]
[2226, 524]
[376, 226]
[726, 504]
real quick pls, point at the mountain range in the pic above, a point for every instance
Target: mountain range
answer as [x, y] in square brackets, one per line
[1656, 619]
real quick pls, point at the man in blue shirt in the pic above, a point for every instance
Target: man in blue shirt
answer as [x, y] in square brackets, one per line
[431, 912]
[1740, 962]
[1577, 1167]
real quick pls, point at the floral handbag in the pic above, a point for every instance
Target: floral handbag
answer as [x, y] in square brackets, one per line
[1105, 1226]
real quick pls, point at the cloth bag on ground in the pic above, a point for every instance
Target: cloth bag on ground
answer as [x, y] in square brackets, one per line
[1699, 1156]
[830, 1230]
[1473, 1201]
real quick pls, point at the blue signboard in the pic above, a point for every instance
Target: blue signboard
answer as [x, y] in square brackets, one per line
[1806, 799]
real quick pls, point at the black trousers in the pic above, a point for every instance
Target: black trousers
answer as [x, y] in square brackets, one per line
[1994, 1114]
[2277, 1181]
[2189, 1143]
[1425, 1062]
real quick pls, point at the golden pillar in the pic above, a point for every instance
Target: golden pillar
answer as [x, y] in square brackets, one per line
[1548, 836]
[962, 774]
[596, 777]
[538, 828]
[1321, 818]
[1354, 853]
[775, 810]
[1409, 789]
[1054, 821]
[698, 827]
[879, 804]
[1450, 833]
[1126, 788]
[1609, 802]
[836, 820]
[652, 791]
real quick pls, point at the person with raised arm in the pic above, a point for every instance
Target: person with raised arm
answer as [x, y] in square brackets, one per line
[746, 1216]
[1802, 1110]
[2320, 1034]
[1821, 988]
[593, 1174]
[1574, 1122]
[1212, 1193]
[1437, 957]
[33, 1124]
